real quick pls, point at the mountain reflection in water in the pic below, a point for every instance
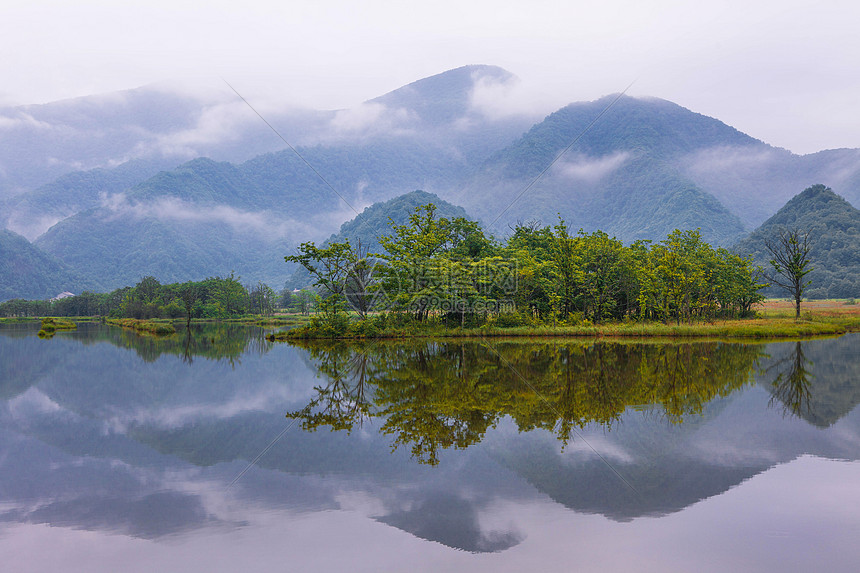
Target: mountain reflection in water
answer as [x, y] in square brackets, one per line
[108, 431]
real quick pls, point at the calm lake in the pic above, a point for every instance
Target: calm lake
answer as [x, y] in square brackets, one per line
[216, 450]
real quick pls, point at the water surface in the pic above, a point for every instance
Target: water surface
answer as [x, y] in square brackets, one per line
[217, 450]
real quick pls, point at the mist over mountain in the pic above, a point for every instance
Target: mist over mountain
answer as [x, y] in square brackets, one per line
[28, 272]
[206, 217]
[834, 238]
[104, 184]
[161, 123]
[755, 181]
[646, 167]
[619, 176]
[31, 214]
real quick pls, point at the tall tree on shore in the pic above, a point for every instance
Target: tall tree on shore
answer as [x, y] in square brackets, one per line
[790, 262]
[189, 293]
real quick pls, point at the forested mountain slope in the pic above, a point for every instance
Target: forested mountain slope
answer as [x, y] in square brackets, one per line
[834, 237]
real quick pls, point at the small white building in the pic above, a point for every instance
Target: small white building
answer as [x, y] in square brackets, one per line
[62, 295]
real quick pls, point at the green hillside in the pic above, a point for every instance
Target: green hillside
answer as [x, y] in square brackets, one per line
[207, 217]
[28, 272]
[619, 176]
[120, 251]
[834, 235]
[31, 214]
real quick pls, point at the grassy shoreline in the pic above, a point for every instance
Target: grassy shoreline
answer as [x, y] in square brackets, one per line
[775, 320]
[751, 329]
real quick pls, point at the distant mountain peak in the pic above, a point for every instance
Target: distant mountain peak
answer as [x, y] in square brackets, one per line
[817, 198]
[444, 97]
[817, 191]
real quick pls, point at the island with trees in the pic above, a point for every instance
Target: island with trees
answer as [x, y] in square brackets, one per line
[446, 276]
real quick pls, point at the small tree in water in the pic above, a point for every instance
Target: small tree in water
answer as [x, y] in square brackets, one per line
[790, 262]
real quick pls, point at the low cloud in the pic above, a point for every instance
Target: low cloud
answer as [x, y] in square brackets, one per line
[266, 225]
[71, 165]
[216, 124]
[359, 118]
[22, 119]
[498, 98]
[591, 169]
[31, 227]
[730, 159]
[270, 397]
[32, 402]
[367, 120]
[173, 209]
[734, 452]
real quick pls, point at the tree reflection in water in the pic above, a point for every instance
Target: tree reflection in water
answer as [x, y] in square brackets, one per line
[792, 385]
[432, 395]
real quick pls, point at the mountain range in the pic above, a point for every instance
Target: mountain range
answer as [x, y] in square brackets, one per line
[115, 206]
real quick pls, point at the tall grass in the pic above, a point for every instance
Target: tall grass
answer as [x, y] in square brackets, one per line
[755, 328]
[144, 326]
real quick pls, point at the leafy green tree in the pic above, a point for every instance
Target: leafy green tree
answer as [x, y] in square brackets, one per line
[606, 274]
[228, 294]
[261, 299]
[330, 266]
[427, 265]
[147, 290]
[303, 301]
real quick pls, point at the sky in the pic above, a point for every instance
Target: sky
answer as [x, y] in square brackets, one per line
[784, 72]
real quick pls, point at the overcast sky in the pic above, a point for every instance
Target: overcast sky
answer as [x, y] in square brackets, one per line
[786, 72]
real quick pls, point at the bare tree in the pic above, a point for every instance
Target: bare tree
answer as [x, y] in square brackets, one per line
[359, 282]
[790, 262]
[189, 293]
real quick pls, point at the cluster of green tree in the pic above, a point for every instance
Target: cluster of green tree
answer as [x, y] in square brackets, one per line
[449, 270]
[433, 396]
[216, 297]
[832, 226]
[375, 222]
[304, 301]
